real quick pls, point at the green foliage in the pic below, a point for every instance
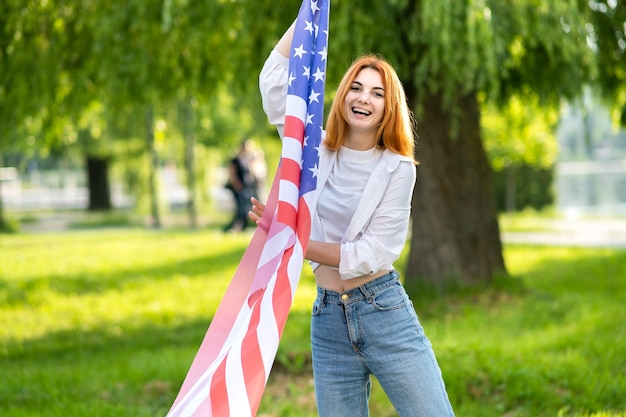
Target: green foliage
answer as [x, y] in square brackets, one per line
[146, 51]
[440, 29]
[520, 133]
[545, 47]
[107, 322]
[457, 48]
[520, 141]
[8, 224]
[161, 52]
[608, 38]
[26, 46]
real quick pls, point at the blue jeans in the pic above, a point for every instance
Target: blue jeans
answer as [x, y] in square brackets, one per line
[373, 329]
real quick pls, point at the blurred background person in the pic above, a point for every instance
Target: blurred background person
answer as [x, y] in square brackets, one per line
[246, 173]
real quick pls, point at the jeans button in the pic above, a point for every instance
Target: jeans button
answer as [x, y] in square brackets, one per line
[345, 297]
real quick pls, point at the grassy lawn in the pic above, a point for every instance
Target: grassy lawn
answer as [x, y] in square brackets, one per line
[106, 323]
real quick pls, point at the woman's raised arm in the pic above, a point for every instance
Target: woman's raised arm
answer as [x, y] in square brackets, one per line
[284, 44]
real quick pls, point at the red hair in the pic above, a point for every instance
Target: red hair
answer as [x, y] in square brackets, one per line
[396, 129]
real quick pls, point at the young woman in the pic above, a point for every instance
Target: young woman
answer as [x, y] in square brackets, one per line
[363, 322]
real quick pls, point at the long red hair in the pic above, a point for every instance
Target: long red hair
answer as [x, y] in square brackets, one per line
[396, 129]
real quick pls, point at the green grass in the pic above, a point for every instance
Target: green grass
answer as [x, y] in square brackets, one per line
[106, 323]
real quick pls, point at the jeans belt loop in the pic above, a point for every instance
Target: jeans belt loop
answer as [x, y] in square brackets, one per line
[368, 295]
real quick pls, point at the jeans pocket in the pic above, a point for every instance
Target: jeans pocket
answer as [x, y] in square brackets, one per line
[317, 307]
[390, 298]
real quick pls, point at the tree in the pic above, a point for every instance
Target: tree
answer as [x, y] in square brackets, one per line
[47, 94]
[168, 54]
[139, 57]
[450, 54]
[607, 38]
[31, 77]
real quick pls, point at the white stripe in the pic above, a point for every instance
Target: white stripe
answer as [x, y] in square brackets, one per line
[238, 402]
[294, 268]
[296, 106]
[289, 193]
[269, 336]
[275, 246]
[292, 149]
[268, 329]
[201, 389]
[196, 395]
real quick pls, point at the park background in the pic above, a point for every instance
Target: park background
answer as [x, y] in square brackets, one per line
[116, 123]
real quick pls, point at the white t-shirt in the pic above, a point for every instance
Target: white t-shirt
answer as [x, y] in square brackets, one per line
[340, 196]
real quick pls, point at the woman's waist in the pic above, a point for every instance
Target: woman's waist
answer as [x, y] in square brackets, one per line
[361, 292]
[328, 278]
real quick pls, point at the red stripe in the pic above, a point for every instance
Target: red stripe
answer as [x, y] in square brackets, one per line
[290, 171]
[219, 393]
[304, 223]
[294, 128]
[287, 214]
[251, 358]
[282, 296]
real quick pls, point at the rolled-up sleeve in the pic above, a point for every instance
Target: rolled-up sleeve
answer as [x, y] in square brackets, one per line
[382, 241]
[273, 81]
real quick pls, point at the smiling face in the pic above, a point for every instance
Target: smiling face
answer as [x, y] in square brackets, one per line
[370, 109]
[364, 104]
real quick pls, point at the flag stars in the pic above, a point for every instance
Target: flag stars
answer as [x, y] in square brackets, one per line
[299, 51]
[305, 73]
[313, 97]
[314, 170]
[314, 6]
[323, 53]
[319, 75]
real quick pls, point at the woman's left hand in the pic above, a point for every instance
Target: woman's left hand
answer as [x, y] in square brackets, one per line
[257, 211]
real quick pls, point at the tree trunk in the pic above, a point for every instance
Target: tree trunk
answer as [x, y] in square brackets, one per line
[190, 167]
[98, 183]
[455, 238]
[3, 223]
[510, 173]
[154, 166]
[6, 174]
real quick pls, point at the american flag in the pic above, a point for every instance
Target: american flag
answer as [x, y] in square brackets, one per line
[230, 370]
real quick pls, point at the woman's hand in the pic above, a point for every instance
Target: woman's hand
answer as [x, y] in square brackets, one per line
[257, 211]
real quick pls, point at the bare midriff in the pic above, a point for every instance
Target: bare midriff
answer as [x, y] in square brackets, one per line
[328, 278]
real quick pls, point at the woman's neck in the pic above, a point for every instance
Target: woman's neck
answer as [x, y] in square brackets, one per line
[360, 141]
